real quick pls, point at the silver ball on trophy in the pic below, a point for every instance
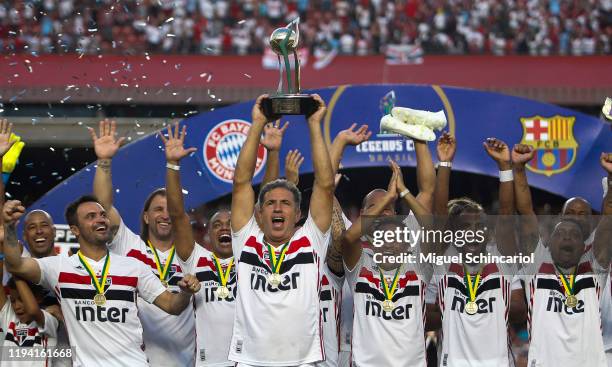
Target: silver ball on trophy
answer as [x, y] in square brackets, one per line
[284, 41]
[278, 36]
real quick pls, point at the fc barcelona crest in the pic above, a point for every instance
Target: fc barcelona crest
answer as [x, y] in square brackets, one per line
[554, 143]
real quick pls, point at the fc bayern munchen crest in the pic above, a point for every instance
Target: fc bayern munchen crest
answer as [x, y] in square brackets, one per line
[222, 146]
[554, 142]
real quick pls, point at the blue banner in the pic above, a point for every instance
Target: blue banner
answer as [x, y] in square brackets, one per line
[568, 145]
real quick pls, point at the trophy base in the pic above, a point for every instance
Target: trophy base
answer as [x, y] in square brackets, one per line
[288, 104]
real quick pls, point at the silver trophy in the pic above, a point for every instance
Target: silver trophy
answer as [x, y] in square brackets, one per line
[289, 101]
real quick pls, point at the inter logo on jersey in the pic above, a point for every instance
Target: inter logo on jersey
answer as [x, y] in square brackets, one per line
[222, 146]
[553, 139]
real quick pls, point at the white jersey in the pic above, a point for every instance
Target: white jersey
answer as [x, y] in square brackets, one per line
[331, 295]
[14, 334]
[481, 339]
[278, 326]
[560, 335]
[168, 339]
[214, 317]
[382, 338]
[606, 314]
[109, 335]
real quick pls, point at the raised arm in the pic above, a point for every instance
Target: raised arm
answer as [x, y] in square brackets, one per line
[24, 267]
[422, 214]
[344, 138]
[293, 162]
[29, 302]
[106, 146]
[529, 232]
[602, 246]
[351, 241]
[426, 175]
[272, 140]
[243, 196]
[446, 148]
[175, 151]
[504, 229]
[5, 145]
[175, 303]
[321, 201]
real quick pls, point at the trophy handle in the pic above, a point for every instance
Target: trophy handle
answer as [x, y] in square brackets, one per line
[279, 89]
[296, 62]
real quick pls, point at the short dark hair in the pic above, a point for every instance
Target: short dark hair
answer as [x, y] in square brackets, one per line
[37, 290]
[281, 183]
[144, 227]
[71, 209]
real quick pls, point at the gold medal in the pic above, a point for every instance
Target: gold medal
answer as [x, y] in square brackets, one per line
[471, 308]
[568, 286]
[388, 305]
[163, 272]
[571, 301]
[274, 279]
[99, 299]
[222, 292]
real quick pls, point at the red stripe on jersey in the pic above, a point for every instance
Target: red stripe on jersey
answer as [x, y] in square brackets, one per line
[294, 246]
[204, 261]
[142, 258]
[85, 279]
[548, 268]
[324, 281]
[486, 270]
[404, 279]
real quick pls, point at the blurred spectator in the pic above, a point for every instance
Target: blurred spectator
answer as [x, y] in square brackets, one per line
[353, 27]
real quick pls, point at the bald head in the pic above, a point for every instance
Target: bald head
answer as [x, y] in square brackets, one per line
[576, 206]
[38, 213]
[579, 209]
[374, 197]
[39, 233]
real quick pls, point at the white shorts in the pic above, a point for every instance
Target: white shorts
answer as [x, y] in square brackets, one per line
[250, 365]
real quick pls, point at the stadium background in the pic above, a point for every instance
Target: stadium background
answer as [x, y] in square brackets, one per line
[67, 64]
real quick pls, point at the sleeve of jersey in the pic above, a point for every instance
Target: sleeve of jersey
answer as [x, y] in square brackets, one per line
[516, 283]
[351, 274]
[51, 325]
[319, 240]
[5, 317]
[240, 237]
[49, 270]
[123, 241]
[149, 286]
[431, 292]
[189, 265]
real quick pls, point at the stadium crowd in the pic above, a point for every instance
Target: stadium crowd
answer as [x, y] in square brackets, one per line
[283, 287]
[352, 27]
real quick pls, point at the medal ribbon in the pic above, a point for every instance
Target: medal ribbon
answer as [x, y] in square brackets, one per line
[223, 275]
[99, 285]
[568, 285]
[163, 274]
[389, 292]
[276, 262]
[472, 287]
